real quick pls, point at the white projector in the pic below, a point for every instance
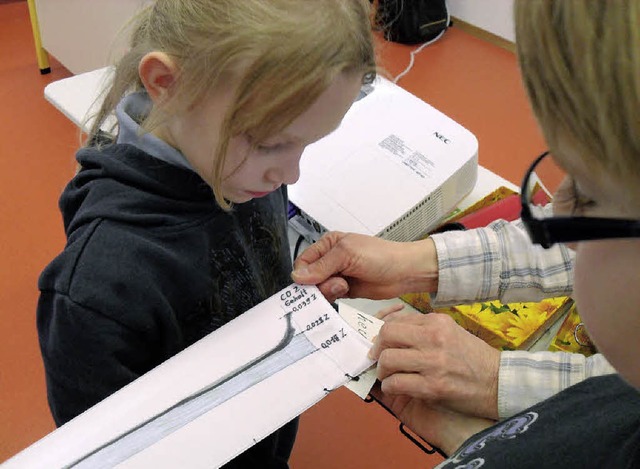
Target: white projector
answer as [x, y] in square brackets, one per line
[394, 168]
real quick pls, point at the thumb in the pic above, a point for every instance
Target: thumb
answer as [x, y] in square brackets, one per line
[314, 272]
[317, 264]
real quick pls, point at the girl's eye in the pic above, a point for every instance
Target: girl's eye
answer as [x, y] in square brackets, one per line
[270, 148]
[267, 148]
[263, 147]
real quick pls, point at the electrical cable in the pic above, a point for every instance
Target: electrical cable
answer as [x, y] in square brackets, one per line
[419, 49]
[297, 247]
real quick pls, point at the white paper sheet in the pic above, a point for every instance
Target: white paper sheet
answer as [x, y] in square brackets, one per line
[263, 369]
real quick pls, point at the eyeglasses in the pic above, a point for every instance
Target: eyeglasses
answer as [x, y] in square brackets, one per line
[551, 230]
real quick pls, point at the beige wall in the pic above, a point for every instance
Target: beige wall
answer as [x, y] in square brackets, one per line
[81, 33]
[495, 16]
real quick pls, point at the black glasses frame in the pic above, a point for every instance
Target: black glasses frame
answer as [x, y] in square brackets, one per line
[549, 231]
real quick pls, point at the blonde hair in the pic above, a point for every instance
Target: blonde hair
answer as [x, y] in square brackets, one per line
[580, 61]
[281, 53]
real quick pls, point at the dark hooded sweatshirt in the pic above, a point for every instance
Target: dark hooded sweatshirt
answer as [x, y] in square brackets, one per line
[152, 264]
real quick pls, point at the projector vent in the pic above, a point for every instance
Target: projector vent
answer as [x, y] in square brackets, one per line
[466, 178]
[417, 221]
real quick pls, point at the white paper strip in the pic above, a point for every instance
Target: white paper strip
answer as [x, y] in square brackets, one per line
[220, 396]
[368, 327]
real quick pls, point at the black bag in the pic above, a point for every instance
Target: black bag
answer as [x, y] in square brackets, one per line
[412, 21]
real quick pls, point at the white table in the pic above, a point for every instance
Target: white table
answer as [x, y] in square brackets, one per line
[79, 97]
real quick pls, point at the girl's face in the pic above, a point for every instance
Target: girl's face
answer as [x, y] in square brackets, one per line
[254, 169]
[607, 272]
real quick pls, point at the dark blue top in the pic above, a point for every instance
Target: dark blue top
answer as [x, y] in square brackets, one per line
[151, 265]
[592, 424]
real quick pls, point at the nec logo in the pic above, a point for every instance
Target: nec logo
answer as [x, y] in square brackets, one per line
[442, 137]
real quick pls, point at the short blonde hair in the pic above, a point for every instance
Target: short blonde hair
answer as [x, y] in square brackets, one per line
[580, 61]
[281, 53]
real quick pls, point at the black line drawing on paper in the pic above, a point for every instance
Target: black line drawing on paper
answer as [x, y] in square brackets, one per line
[291, 348]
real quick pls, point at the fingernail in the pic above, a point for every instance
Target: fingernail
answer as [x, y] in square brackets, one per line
[337, 290]
[303, 272]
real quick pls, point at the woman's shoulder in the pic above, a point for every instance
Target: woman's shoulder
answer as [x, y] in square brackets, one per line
[595, 422]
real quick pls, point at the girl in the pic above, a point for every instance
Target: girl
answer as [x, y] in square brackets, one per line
[176, 224]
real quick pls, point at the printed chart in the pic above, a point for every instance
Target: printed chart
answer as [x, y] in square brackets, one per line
[218, 397]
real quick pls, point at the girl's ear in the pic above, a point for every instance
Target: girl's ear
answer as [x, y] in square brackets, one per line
[158, 72]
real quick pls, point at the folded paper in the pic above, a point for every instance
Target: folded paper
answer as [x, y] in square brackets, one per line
[208, 403]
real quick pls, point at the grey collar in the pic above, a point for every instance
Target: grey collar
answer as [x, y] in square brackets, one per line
[129, 111]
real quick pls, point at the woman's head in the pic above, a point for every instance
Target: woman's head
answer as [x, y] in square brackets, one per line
[263, 62]
[580, 62]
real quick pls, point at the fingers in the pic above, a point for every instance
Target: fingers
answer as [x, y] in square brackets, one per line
[404, 329]
[334, 288]
[392, 361]
[406, 384]
[411, 373]
[389, 310]
[319, 261]
[394, 335]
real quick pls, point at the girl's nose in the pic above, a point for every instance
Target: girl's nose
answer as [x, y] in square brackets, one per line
[287, 171]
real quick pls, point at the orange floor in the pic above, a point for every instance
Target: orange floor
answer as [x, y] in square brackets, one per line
[472, 81]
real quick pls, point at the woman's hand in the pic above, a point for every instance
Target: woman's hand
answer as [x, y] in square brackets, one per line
[358, 266]
[441, 428]
[433, 359]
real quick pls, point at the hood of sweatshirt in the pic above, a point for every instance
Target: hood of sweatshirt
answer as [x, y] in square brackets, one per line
[139, 179]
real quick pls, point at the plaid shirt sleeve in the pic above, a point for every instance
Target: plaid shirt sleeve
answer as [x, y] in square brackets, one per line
[499, 262]
[526, 378]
